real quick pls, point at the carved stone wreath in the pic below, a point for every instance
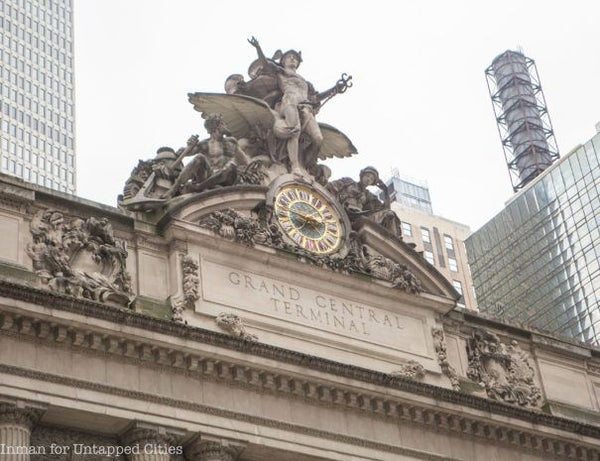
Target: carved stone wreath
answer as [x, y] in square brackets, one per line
[237, 227]
[80, 257]
[504, 371]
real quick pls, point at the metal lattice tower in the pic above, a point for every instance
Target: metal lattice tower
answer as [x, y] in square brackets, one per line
[523, 121]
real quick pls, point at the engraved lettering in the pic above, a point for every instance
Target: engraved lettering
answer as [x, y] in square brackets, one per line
[294, 294]
[300, 312]
[275, 304]
[400, 327]
[263, 287]
[364, 327]
[280, 290]
[316, 317]
[320, 301]
[372, 316]
[248, 280]
[234, 278]
[348, 308]
[310, 308]
[360, 309]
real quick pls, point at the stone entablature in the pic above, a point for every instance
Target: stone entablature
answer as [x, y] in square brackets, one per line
[524, 426]
[445, 372]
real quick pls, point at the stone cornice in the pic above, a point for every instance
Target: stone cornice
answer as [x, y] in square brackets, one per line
[186, 405]
[440, 421]
[150, 354]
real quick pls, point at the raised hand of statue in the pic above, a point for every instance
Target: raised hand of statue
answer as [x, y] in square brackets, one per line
[381, 185]
[193, 140]
[254, 42]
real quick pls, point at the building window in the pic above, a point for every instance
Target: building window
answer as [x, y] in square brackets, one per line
[448, 242]
[425, 235]
[429, 257]
[406, 229]
[458, 287]
[452, 265]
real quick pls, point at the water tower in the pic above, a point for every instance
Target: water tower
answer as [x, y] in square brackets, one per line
[522, 116]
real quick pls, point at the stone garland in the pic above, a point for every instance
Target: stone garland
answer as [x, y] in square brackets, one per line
[439, 343]
[190, 286]
[234, 226]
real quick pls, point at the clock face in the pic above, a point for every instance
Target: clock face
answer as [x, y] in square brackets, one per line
[308, 219]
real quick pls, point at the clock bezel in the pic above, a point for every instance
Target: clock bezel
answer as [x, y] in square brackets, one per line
[290, 181]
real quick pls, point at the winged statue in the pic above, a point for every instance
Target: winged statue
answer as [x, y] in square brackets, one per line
[259, 130]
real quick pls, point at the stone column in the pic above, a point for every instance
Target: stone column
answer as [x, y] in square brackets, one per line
[16, 421]
[205, 448]
[150, 442]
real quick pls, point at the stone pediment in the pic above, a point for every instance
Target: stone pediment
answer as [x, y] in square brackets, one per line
[242, 214]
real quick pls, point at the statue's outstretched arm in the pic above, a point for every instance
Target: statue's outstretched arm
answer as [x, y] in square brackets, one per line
[340, 87]
[261, 56]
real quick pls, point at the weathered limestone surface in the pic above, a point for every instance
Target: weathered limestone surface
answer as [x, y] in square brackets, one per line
[275, 385]
[243, 307]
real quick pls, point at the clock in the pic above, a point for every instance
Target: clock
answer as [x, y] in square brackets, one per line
[308, 218]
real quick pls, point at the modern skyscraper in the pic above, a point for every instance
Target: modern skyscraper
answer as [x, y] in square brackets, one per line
[409, 192]
[37, 92]
[440, 240]
[538, 261]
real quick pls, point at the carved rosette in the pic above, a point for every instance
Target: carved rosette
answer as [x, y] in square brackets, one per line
[234, 325]
[213, 450]
[190, 286]
[234, 226]
[439, 343]
[80, 257]
[504, 371]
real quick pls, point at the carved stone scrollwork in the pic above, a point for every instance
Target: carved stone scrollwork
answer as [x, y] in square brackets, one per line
[504, 371]
[213, 450]
[411, 370]
[439, 343]
[250, 231]
[80, 257]
[190, 285]
[234, 325]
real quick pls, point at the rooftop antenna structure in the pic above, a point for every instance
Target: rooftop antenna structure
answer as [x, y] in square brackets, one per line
[522, 116]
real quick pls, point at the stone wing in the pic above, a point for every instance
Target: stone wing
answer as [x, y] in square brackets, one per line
[335, 143]
[242, 115]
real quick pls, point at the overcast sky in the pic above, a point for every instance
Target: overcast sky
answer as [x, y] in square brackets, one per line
[419, 101]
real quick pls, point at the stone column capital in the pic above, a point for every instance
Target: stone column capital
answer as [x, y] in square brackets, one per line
[20, 413]
[152, 442]
[208, 448]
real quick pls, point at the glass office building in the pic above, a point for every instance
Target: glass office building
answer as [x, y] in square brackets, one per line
[37, 107]
[409, 192]
[538, 261]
